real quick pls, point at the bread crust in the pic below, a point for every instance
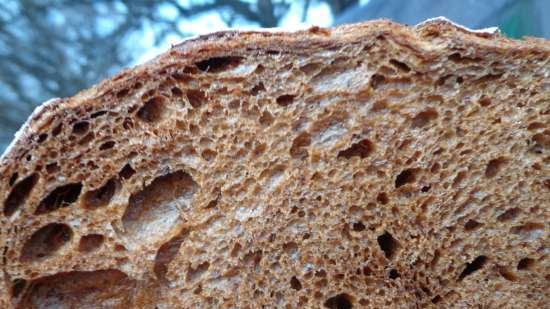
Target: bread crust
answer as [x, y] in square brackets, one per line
[216, 43]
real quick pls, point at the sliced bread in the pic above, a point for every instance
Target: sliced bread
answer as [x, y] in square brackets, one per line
[373, 165]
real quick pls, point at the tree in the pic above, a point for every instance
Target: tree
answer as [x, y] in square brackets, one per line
[54, 48]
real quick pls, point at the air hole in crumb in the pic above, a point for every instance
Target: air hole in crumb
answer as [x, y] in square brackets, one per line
[259, 69]
[257, 89]
[176, 92]
[382, 198]
[57, 129]
[122, 93]
[360, 149]
[377, 80]
[426, 188]
[166, 253]
[471, 225]
[193, 274]
[266, 119]
[299, 146]
[42, 137]
[81, 127]
[509, 214]
[285, 100]
[290, 248]
[13, 178]
[236, 249]
[526, 264]
[213, 203]
[58, 198]
[152, 110]
[46, 241]
[259, 150]
[435, 258]
[529, 230]
[367, 271]
[86, 139]
[492, 78]
[97, 114]
[208, 154]
[19, 194]
[436, 299]
[272, 177]
[90, 242]
[190, 70]
[484, 101]
[100, 197]
[155, 210]
[495, 166]
[388, 244]
[358, 226]
[295, 283]
[80, 289]
[321, 273]
[405, 177]
[218, 64]
[472, 267]
[196, 97]
[132, 108]
[461, 59]
[183, 77]
[107, 145]
[52, 168]
[379, 106]
[127, 171]
[400, 65]
[18, 285]
[394, 274]
[340, 301]
[540, 142]
[127, 123]
[424, 118]
[311, 68]
[460, 176]
[535, 126]
[507, 273]
[235, 104]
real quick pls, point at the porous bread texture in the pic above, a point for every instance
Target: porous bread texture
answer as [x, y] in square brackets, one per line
[367, 166]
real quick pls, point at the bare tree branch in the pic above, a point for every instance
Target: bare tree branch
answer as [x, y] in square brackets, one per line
[305, 9]
[339, 6]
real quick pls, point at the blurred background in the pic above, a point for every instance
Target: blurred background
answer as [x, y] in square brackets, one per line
[54, 48]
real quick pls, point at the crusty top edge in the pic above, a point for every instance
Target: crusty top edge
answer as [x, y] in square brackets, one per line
[442, 19]
[211, 44]
[23, 134]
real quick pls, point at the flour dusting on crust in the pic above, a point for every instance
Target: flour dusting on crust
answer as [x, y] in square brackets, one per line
[20, 134]
[489, 30]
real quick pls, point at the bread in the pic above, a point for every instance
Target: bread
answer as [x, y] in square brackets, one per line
[373, 165]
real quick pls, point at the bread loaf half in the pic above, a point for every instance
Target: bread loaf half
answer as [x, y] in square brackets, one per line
[368, 166]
